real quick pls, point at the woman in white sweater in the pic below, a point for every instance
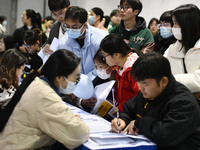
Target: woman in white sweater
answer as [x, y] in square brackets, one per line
[184, 55]
[36, 116]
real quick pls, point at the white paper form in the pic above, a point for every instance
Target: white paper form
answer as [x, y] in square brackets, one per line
[101, 93]
[95, 123]
[54, 46]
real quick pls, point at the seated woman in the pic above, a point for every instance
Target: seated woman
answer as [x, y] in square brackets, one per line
[32, 43]
[36, 116]
[117, 53]
[7, 42]
[12, 65]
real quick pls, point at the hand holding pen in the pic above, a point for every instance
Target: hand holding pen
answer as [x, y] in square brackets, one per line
[117, 124]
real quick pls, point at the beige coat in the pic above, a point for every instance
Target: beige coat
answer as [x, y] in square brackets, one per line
[39, 119]
[175, 55]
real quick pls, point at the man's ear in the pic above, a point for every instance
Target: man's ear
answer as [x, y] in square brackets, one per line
[136, 12]
[164, 81]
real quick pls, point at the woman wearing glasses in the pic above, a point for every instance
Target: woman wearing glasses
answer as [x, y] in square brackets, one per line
[117, 53]
[36, 115]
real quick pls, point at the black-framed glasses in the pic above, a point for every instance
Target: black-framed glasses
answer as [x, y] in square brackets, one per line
[124, 7]
[67, 28]
[104, 56]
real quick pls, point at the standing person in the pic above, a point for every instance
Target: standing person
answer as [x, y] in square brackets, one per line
[165, 38]
[153, 26]
[31, 20]
[118, 54]
[32, 43]
[164, 110]
[47, 24]
[37, 111]
[184, 55]
[97, 19]
[82, 39]
[114, 19]
[58, 9]
[133, 28]
[3, 23]
[12, 65]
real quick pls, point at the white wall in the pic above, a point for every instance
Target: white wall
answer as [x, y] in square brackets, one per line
[154, 8]
[151, 8]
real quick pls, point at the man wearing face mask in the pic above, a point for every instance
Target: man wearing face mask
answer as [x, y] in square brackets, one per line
[82, 39]
[166, 38]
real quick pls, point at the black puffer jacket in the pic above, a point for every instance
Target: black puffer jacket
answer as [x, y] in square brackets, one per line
[172, 120]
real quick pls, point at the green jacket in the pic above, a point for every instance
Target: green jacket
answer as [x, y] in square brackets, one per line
[137, 38]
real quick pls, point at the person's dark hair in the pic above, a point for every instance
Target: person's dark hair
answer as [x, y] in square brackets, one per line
[52, 68]
[107, 20]
[32, 36]
[8, 41]
[151, 65]
[47, 18]
[114, 12]
[188, 17]
[2, 18]
[99, 57]
[152, 20]
[35, 18]
[76, 14]
[98, 12]
[56, 5]
[113, 43]
[135, 4]
[10, 61]
[167, 17]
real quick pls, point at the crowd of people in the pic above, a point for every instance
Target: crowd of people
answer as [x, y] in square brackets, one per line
[156, 69]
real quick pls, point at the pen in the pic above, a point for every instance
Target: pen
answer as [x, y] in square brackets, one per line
[118, 117]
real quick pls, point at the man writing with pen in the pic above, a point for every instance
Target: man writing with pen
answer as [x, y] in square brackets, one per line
[164, 110]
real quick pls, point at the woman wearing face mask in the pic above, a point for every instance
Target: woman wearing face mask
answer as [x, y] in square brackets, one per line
[118, 54]
[37, 111]
[184, 55]
[97, 19]
[165, 38]
[12, 65]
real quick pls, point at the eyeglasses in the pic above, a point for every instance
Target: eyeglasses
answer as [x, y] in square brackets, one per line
[26, 46]
[68, 28]
[124, 7]
[77, 80]
[59, 14]
[104, 56]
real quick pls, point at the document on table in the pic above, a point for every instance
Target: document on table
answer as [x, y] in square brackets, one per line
[111, 138]
[95, 123]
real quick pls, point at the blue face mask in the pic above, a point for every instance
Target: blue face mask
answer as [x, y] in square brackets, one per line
[165, 32]
[90, 20]
[71, 86]
[4, 23]
[74, 33]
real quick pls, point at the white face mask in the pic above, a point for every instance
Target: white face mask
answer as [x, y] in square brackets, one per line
[102, 73]
[177, 33]
[71, 86]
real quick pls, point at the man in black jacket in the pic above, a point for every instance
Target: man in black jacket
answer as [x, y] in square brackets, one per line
[164, 110]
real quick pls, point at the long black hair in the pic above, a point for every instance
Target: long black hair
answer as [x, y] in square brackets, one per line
[60, 63]
[188, 17]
